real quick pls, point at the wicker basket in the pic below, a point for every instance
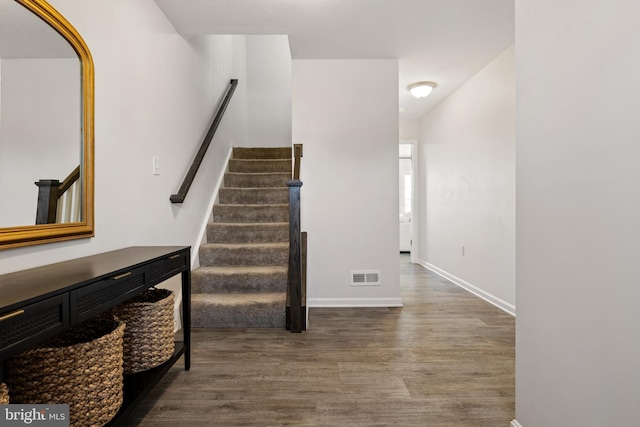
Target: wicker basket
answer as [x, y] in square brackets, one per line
[81, 367]
[4, 394]
[149, 338]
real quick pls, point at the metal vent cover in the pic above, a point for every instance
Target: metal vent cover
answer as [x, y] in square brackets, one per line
[365, 277]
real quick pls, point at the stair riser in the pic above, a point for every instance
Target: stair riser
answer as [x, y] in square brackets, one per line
[223, 233]
[241, 180]
[253, 196]
[207, 283]
[216, 256]
[244, 214]
[262, 153]
[262, 166]
[250, 316]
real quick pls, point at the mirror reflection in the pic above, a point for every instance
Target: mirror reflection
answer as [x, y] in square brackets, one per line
[40, 119]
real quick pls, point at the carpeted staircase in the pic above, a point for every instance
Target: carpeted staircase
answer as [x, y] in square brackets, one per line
[242, 278]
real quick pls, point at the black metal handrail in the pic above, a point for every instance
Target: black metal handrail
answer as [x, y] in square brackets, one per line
[197, 161]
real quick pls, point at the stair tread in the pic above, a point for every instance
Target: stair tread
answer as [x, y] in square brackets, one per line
[258, 173]
[241, 269]
[253, 204]
[240, 298]
[259, 165]
[250, 232]
[250, 224]
[281, 188]
[256, 179]
[282, 159]
[282, 151]
[275, 245]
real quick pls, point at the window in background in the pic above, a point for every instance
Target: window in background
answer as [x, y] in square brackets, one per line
[407, 193]
[405, 180]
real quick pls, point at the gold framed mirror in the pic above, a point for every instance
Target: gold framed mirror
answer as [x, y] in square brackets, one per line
[80, 224]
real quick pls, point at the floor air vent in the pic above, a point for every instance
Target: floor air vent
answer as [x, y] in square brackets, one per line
[365, 277]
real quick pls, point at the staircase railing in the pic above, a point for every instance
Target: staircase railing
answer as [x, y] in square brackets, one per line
[59, 201]
[197, 161]
[296, 311]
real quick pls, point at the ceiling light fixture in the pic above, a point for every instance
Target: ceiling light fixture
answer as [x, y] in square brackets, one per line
[421, 89]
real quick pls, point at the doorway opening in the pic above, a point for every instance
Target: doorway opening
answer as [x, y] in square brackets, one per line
[406, 192]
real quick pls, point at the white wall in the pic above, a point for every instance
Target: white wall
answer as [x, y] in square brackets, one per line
[0, 99]
[155, 95]
[578, 205]
[350, 172]
[467, 184]
[41, 118]
[227, 59]
[269, 91]
[409, 129]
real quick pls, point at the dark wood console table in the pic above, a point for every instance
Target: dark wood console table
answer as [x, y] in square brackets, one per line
[39, 303]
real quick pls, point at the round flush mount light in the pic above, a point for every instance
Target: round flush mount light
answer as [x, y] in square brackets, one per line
[421, 89]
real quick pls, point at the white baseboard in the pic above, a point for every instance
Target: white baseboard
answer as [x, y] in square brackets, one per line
[177, 314]
[515, 423]
[490, 298]
[203, 227]
[353, 302]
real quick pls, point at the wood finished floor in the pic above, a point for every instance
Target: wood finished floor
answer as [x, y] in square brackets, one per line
[445, 359]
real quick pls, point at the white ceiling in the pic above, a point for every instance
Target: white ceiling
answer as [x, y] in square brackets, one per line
[445, 41]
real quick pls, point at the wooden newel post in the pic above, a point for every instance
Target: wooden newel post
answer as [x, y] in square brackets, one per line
[47, 201]
[294, 321]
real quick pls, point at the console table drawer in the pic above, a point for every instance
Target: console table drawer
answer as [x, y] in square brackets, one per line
[21, 329]
[93, 299]
[161, 270]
